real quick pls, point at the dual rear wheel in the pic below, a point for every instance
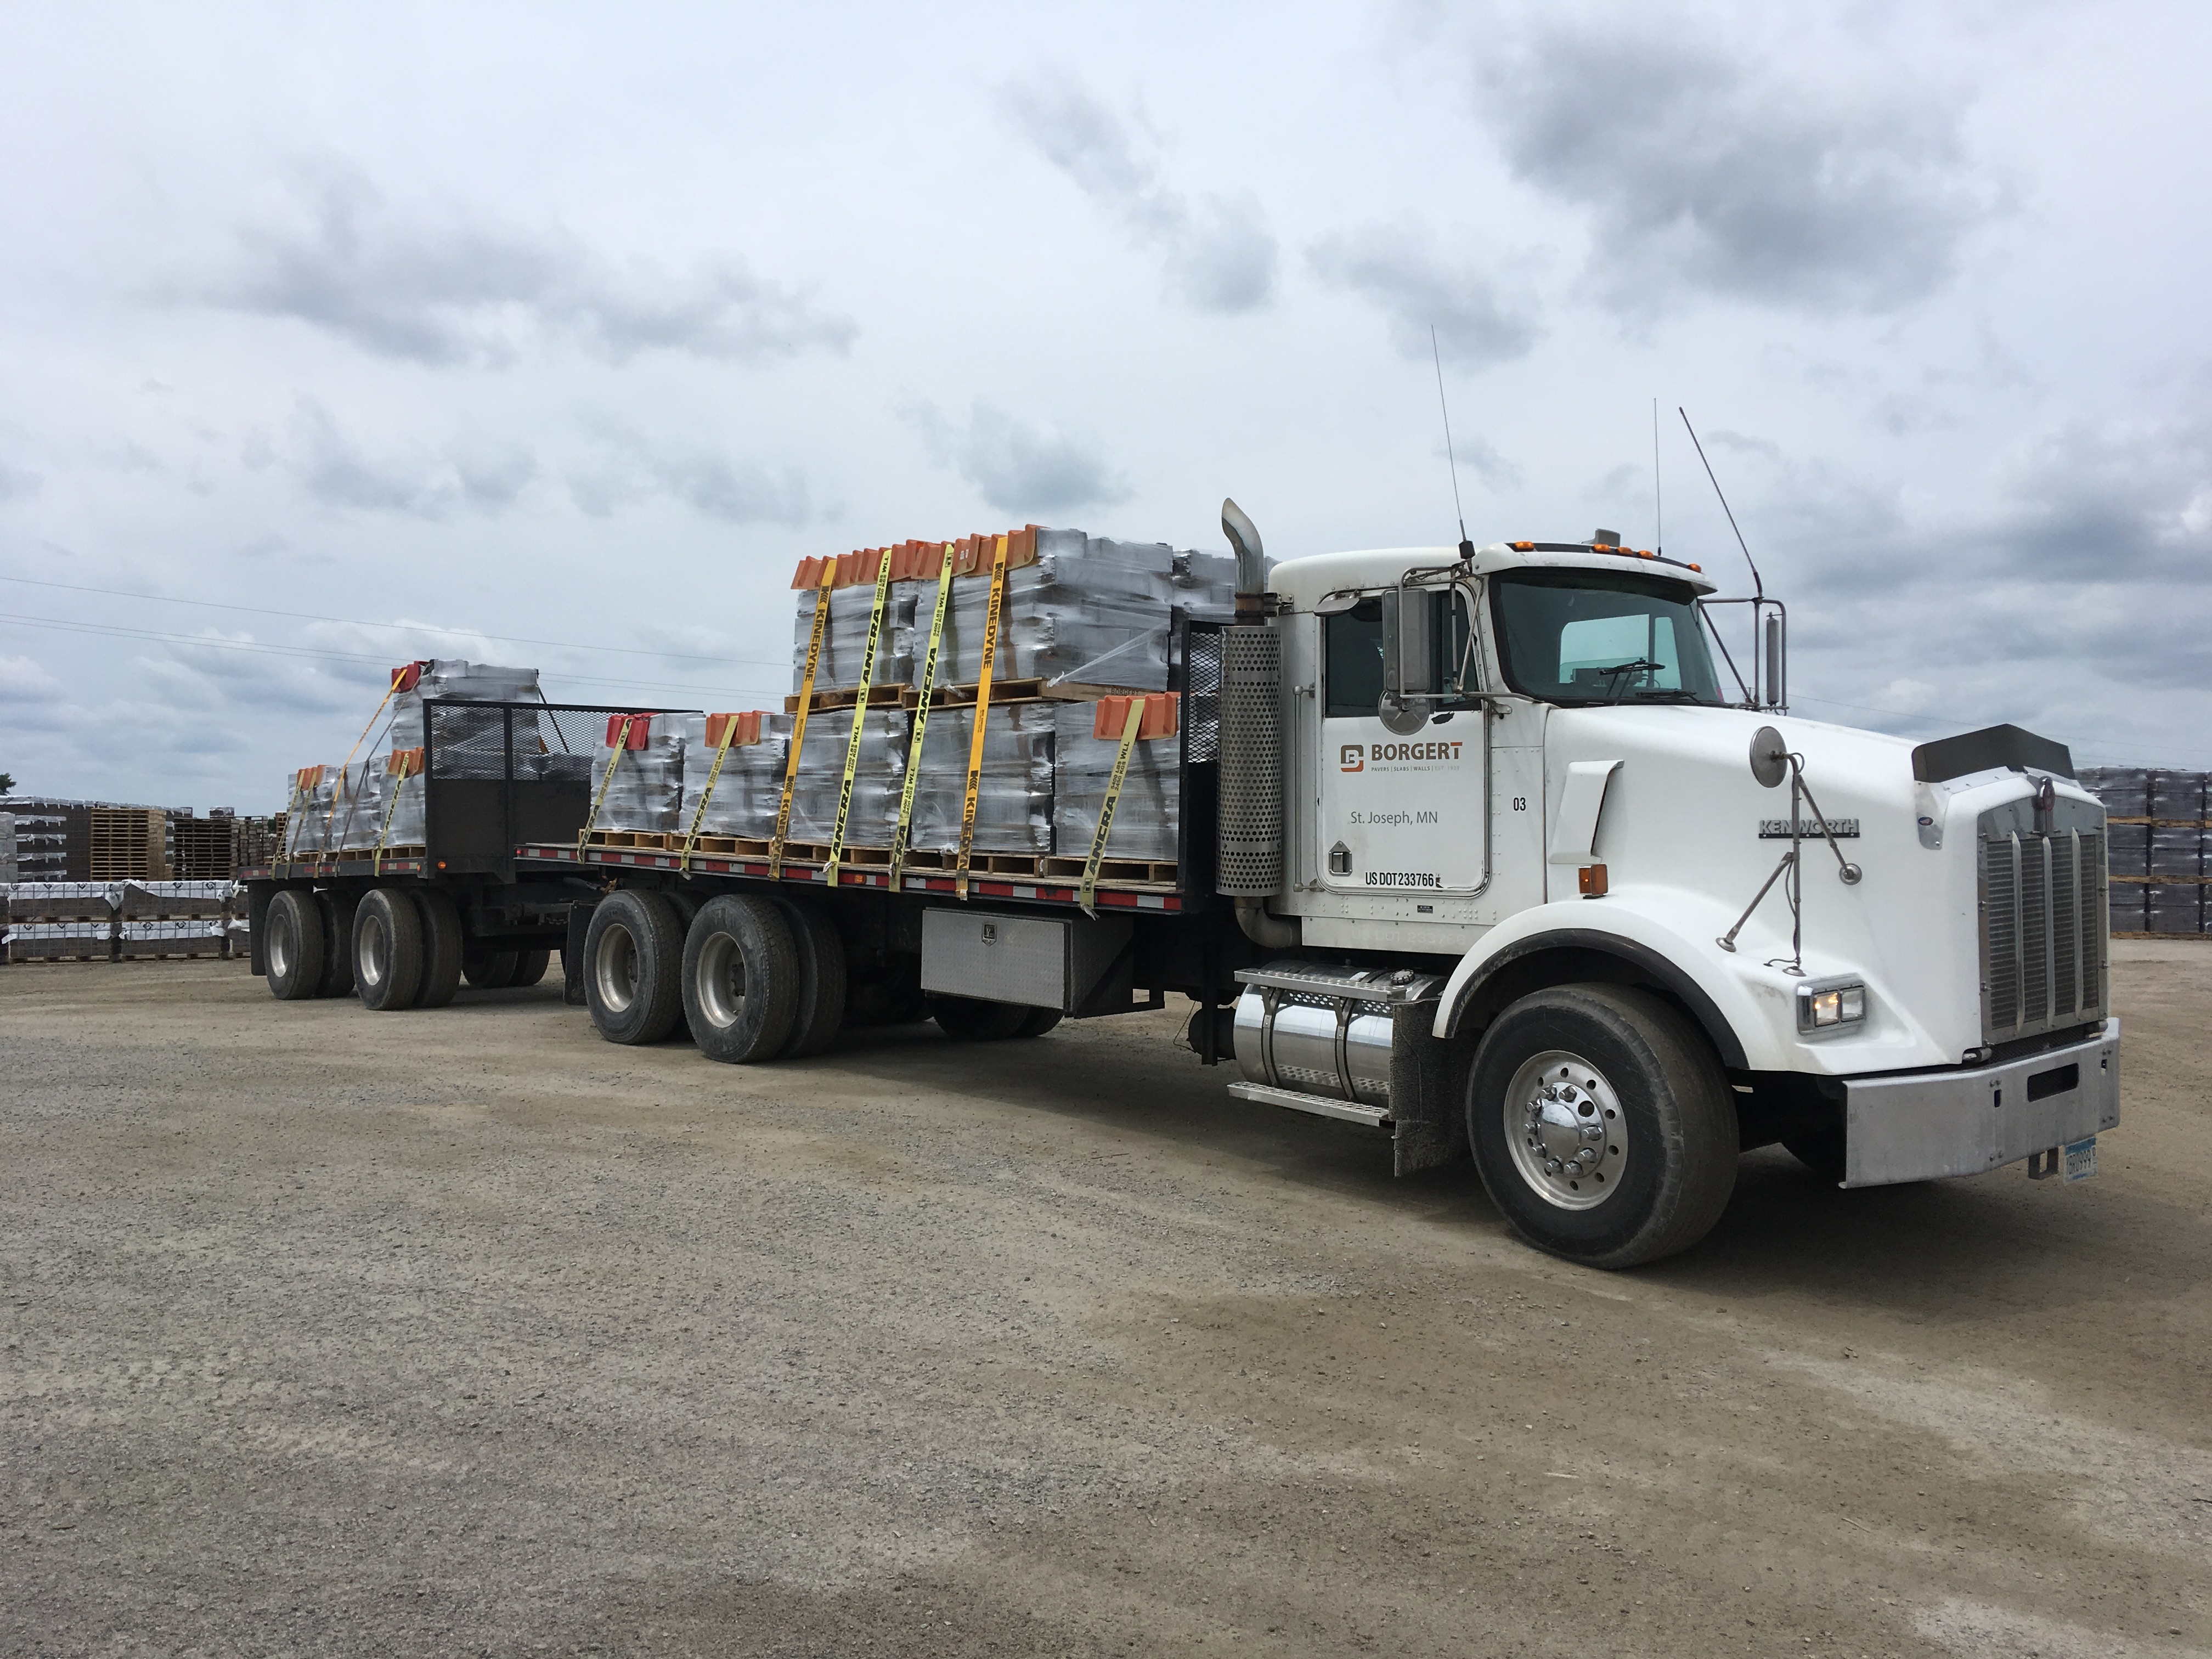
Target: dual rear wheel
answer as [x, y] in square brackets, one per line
[754, 978]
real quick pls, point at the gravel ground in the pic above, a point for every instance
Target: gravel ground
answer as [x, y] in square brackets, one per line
[464, 1332]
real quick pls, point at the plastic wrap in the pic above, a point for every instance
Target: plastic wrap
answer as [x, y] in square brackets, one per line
[877, 780]
[750, 783]
[645, 790]
[1089, 611]
[457, 743]
[32, 941]
[189, 936]
[143, 900]
[63, 901]
[1145, 814]
[1013, 796]
[844, 642]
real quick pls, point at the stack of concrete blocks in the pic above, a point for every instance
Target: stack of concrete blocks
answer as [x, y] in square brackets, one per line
[750, 786]
[62, 920]
[1149, 805]
[637, 773]
[2159, 837]
[173, 919]
[7, 849]
[1013, 794]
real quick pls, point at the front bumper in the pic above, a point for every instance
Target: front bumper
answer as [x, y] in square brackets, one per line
[1922, 1124]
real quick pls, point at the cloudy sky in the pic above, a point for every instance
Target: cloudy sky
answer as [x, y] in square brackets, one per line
[555, 335]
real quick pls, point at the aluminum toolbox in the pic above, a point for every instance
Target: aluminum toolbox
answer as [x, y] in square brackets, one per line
[1078, 964]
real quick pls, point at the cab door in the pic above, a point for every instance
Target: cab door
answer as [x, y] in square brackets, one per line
[1401, 811]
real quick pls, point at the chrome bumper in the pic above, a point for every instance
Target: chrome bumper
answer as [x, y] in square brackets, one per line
[1926, 1124]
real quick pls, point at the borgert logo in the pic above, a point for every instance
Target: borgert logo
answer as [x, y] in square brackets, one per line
[1352, 756]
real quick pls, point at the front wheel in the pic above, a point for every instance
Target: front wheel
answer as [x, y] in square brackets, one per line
[1601, 1125]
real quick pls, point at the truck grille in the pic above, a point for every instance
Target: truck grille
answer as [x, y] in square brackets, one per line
[2043, 932]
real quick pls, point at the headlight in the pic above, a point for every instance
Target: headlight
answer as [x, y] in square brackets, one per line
[1824, 1004]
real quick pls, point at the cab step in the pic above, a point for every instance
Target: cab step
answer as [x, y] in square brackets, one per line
[1349, 1111]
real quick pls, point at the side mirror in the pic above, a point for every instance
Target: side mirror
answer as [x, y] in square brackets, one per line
[1409, 658]
[1409, 641]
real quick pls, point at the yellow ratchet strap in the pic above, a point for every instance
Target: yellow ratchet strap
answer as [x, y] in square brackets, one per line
[398, 782]
[622, 743]
[982, 709]
[798, 720]
[1087, 895]
[714, 773]
[905, 832]
[860, 718]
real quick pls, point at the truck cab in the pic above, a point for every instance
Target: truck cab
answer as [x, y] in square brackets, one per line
[1636, 917]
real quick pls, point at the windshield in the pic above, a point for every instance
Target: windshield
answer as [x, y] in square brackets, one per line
[1597, 636]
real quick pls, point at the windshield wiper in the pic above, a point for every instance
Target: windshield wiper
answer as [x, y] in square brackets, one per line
[1644, 664]
[1668, 694]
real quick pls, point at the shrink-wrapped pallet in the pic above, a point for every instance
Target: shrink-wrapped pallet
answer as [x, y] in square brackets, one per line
[845, 641]
[469, 745]
[46, 941]
[312, 820]
[750, 785]
[1088, 611]
[1013, 795]
[644, 789]
[877, 778]
[1144, 815]
[192, 936]
[63, 901]
[142, 900]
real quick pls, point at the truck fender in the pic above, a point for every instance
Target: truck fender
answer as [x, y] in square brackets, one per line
[1649, 952]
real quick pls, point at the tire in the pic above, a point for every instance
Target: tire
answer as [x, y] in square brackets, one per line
[969, 1019]
[820, 1011]
[1656, 1172]
[633, 968]
[1822, 1151]
[741, 979]
[387, 950]
[494, 972]
[442, 947]
[1037, 1022]
[529, 968]
[338, 926]
[295, 945]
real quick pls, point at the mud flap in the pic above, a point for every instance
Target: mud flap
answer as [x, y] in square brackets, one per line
[1428, 1077]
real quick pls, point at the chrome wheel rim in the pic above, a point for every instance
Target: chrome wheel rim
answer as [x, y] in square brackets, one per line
[279, 945]
[374, 958]
[616, 969]
[721, 983]
[1564, 1127]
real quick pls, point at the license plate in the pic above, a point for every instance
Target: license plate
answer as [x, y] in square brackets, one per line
[2082, 1159]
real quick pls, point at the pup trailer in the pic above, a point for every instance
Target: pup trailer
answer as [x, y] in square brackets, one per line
[1473, 850]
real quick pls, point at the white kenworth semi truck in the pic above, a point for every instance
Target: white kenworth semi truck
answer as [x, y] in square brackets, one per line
[1476, 850]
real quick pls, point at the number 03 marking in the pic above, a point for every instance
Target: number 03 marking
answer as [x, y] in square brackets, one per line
[1520, 803]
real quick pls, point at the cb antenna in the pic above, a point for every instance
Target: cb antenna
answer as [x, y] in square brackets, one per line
[1658, 502]
[1466, 547]
[1757, 588]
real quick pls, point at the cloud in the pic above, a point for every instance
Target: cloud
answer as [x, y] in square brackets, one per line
[1220, 254]
[1017, 467]
[1706, 166]
[442, 285]
[474, 475]
[1396, 270]
[627, 468]
[25, 680]
[15, 481]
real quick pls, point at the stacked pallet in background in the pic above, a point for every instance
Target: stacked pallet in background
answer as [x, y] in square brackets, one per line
[2159, 831]
[127, 843]
[202, 849]
[256, 841]
[7, 849]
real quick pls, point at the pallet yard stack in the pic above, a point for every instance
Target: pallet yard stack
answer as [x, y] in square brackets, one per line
[1080, 625]
[121, 920]
[2159, 831]
[202, 849]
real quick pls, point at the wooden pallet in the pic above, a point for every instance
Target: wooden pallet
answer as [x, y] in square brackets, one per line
[844, 697]
[127, 843]
[2125, 933]
[170, 956]
[2166, 881]
[643, 840]
[1151, 871]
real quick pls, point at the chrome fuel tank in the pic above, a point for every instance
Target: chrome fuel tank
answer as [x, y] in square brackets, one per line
[1322, 1030]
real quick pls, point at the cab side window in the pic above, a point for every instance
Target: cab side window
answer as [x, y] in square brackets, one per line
[1351, 672]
